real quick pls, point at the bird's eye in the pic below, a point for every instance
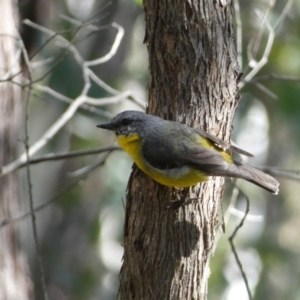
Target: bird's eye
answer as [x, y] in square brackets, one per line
[126, 121]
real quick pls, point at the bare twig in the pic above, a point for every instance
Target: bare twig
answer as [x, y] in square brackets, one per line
[101, 83]
[240, 225]
[75, 22]
[272, 76]
[48, 135]
[53, 93]
[266, 91]
[33, 217]
[239, 38]
[281, 173]
[87, 23]
[52, 37]
[233, 199]
[65, 189]
[65, 117]
[61, 156]
[81, 100]
[240, 214]
[257, 40]
[15, 69]
[63, 98]
[283, 14]
[264, 59]
[253, 46]
[113, 49]
[114, 99]
[42, 62]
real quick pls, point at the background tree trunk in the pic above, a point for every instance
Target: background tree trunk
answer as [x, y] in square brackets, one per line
[14, 283]
[193, 79]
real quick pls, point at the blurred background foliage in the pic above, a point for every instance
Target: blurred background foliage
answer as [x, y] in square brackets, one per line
[81, 231]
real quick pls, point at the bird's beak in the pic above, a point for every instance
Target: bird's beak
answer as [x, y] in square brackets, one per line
[106, 126]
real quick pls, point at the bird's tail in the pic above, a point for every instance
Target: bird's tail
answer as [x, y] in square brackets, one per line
[238, 170]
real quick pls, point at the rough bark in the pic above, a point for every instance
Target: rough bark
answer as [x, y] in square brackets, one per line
[193, 80]
[14, 283]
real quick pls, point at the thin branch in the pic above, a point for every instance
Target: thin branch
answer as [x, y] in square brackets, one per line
[53, 93]
[74, 105]
[113, 49]
[53, 36]
[12, 73]
[14, 64]
[48, 135]
[101, 83]
[62, 156]
[240, 225]
[88, 24]
[266, 91]
[257, 41]
[233, 199]
[240, 214]
[239, 37]
[28, 173]
[264, 59]
[257, 66]
[75, 22]
[272, 76]
[88, 73]
[283, 14]
[115, 99]
[93, 16]
[68, 100]
[281, 173]
[42, 62]
[65, 189]
[108, 100]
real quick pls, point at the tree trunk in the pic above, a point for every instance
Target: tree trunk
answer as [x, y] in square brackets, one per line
[14, 283]
[193, 80]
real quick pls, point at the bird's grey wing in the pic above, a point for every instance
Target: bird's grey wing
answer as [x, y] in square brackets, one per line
[164, 155]
[206, 160]
[221, 144]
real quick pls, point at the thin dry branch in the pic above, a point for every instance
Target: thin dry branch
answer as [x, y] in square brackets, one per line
[65, 189]
[282, 173]
[273, 76]
[62, 156]
[113, 50]
[239, 32]
[29, 181]
[81, 100]
[283, 13]
[63, 98]
[237, 228]
[256, 42]
[264, 59]
[253, 47]
[15, 69]
[266, 91]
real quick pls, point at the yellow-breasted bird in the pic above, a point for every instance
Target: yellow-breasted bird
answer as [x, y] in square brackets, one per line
[177, 155]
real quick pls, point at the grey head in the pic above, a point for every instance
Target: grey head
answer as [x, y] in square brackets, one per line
[129, 122]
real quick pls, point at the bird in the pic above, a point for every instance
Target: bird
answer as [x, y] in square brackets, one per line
[176, 155]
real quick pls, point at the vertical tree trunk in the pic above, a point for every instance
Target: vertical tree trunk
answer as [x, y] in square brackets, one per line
[14, 283]
[193, 80]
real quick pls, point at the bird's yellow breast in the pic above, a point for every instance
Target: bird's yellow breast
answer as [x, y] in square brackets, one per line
[178, 177]
[132, 145]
